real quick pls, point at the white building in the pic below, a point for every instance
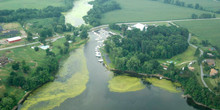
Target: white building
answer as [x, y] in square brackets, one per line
[139, 26]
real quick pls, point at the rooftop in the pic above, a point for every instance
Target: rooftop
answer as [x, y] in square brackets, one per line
[213, 72]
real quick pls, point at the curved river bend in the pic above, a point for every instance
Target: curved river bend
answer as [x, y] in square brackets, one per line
[84, 84]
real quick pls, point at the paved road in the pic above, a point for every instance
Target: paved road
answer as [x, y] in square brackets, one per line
[17, 46]
[168, 21]
[201, 67]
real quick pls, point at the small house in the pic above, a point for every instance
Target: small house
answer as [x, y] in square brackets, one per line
[210, 54]
[213, 72]
[191, 68]
[13, 39]
[210, 62]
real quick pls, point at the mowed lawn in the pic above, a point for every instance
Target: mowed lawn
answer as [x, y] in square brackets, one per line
[204, 29]
[182, 59]
[39, 4]
[146, 10]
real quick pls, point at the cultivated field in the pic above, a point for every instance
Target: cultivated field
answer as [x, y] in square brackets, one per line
[146, 10]
[15, 4]
[212, 5]
[204, 29]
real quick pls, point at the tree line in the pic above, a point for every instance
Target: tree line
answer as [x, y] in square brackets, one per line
[204, 15]
[94, 15]
[24, 14]
[183, 4]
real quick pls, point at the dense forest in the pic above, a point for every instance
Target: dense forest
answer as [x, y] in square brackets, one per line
[138, 50]
[99, 7]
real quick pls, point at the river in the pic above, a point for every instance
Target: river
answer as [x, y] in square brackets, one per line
[80, 9]
[83, 83]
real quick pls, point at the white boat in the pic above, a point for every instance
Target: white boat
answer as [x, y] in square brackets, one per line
[98, 54]
[100, 60]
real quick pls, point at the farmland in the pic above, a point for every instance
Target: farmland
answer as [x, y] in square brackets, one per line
[39, 4]
[211, 5]
[204, 30]
[146, 10]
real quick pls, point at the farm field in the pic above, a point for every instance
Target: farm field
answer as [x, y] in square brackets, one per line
[204, 29]
[39, 4]
[212, 5]
[146, 10]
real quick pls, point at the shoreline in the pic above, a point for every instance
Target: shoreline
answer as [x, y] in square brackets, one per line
[60, 61]
[152, 75]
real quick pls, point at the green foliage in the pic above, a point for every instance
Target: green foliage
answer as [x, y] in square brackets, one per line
[136, 51]
[84, 34]
[197, 53]
[100, 7]
[36, 49]
[15, 65]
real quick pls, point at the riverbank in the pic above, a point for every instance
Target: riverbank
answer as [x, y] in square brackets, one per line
[61, 59]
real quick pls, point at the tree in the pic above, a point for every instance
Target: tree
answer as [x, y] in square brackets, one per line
[66, 44]
[133, 64]
[197, 52]
[68, 37]
[36, 49]
[25, 68]
[15, 65]
[7, 103]
[194, 16]
[84, 34]
[197, 6]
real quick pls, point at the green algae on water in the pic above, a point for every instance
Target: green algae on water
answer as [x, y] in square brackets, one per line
[164, 84]
[125, 84]
[69, 84]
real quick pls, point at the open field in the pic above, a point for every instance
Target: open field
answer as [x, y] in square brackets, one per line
[182, 59]
[212, 5]
[39, 4]
[35, 25]
[146, 10]
[204, 29]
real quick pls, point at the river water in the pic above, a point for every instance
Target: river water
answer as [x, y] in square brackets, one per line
[80, 9]
[83, 83]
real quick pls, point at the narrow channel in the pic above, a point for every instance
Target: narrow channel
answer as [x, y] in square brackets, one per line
[83, 83]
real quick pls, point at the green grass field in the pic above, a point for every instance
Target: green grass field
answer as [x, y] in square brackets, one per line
[182, 59]
[39, 4]
[147, 10]
[204, 29]
[213, 5]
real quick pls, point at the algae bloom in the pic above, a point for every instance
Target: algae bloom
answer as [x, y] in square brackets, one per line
[125, 84]
[71, 82]
[164, 84]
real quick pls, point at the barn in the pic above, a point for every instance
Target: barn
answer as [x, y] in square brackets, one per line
[13, 39]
